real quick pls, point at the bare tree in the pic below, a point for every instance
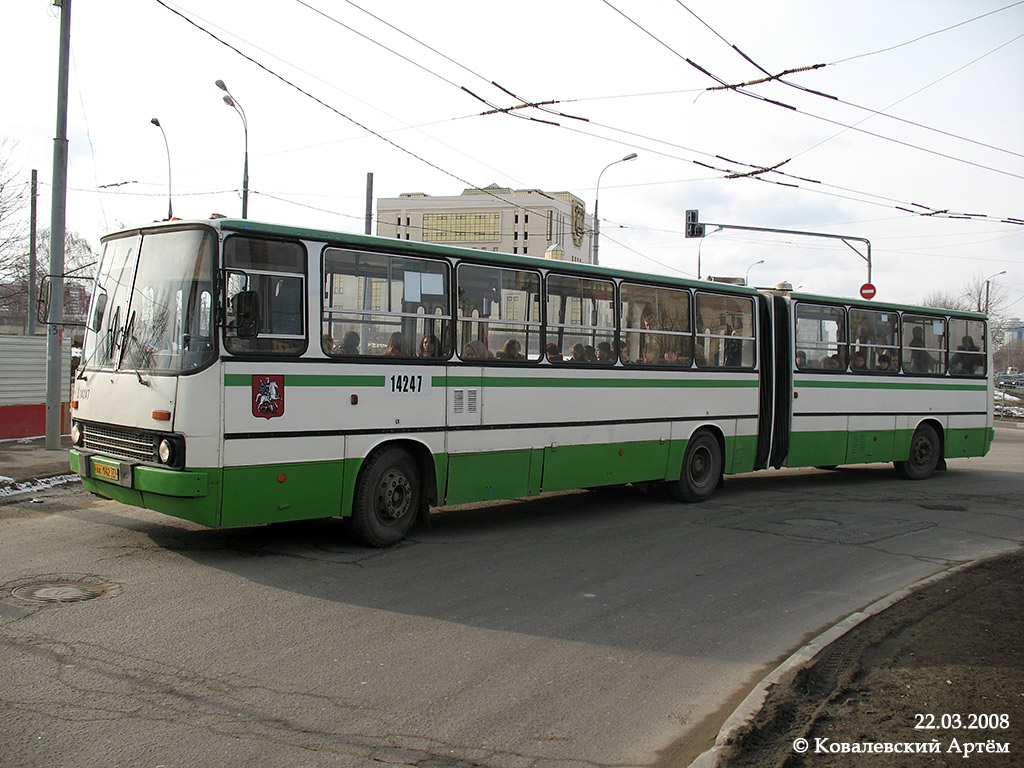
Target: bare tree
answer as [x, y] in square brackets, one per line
[986, 296]
[976, 295]
[79, 256]
[943, 300]
[14, 200]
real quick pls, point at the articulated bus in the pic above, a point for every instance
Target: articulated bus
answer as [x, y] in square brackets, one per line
[237, 373]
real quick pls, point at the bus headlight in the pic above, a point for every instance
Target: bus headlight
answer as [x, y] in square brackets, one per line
[170, 451]
[165, 451]
[76, 434]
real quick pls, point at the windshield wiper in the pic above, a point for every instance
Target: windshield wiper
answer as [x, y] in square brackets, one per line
[127, 338]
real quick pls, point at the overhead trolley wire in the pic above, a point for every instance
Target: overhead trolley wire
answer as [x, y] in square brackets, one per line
[335, 110]
[741, 89]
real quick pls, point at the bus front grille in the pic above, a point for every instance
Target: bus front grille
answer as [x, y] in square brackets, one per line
[120, 442]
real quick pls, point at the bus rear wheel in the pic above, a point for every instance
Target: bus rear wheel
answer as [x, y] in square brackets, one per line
[702, 469]
[387, 498]
[925, 452]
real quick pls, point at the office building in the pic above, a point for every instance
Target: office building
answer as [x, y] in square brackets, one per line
[521, 221]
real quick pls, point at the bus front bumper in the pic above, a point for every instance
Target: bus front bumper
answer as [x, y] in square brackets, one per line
[139, 477]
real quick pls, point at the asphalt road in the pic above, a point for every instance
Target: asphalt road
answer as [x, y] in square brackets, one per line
[578, 629]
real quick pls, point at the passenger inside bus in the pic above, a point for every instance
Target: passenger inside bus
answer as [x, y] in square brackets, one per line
[512, 350]
[622, 349]
[920, 360]
[474, 350]
[429, 346]
[397, 346]
[967, 359]
[350, 344]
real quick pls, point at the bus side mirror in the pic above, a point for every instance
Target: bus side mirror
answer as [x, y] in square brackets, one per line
[43, 301]
[247, 314]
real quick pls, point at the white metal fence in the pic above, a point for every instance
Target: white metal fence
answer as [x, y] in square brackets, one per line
[23, 370]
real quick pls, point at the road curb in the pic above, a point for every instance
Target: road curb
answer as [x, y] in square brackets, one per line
[751, 705]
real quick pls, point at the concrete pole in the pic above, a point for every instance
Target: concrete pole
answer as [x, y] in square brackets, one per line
[32, 254]
[369, 204]
[55, 384]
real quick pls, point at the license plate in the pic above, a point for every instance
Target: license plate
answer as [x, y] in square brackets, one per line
[106, 472]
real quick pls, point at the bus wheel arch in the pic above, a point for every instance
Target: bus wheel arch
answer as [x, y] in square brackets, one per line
[927, 448]
[703, 467]
[390, 490]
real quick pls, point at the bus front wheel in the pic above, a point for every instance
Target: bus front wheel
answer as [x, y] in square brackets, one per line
[925, 452]
[387, 498]
[702, 469]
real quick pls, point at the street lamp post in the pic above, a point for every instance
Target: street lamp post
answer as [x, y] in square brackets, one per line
[597, 196]
[170, 210]
[988, 281]
[231, 101]
[746, 277]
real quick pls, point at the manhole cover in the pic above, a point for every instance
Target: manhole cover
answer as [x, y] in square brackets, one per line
[58, 592]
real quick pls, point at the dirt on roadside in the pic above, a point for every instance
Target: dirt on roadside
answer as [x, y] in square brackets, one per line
[937, 679]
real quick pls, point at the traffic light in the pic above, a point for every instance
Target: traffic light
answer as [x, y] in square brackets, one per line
[693, 228]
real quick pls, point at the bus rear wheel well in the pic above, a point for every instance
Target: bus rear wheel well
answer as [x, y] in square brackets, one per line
[926, 452]
[424, 463]
[941, 432]
[703, 466]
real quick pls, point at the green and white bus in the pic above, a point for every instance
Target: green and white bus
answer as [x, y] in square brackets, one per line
[237, 373]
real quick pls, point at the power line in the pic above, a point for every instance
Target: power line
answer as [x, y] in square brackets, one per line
[740, 88]
[338, 112]
[930, 34]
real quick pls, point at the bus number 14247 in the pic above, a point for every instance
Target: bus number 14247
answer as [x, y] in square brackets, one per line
[408, 384]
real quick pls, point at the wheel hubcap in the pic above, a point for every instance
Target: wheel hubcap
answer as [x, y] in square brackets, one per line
[922, 452]
[700, 466]
[394, 495]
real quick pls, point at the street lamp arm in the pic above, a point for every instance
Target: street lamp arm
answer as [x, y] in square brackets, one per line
[597, 197]
[167, 146]
[232, 102]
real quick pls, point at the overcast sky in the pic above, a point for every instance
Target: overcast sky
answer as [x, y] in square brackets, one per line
[919, 106]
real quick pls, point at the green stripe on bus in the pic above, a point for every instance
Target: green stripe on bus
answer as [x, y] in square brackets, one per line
[308, 380]
[560, 382]
[329, 380]
[876, 384]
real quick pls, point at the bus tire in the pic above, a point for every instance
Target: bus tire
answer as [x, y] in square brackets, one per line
[387, 498]
[925, 454]
[702, 469]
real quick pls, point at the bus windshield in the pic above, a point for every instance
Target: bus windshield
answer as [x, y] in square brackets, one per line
[152, 307]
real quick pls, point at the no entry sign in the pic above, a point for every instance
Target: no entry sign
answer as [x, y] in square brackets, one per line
[867, 291]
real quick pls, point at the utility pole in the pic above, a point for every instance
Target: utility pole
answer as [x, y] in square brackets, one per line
[55, 384]
[32, 253]
[369, 203]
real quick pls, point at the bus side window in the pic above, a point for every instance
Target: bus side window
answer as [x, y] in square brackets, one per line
[580, 317]
[275, 271]
[725, 331]
[924, 344]
[498, 314]
[874, 341]
[968, 358]
[821, 336]
[657, 322]
[384, 305]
